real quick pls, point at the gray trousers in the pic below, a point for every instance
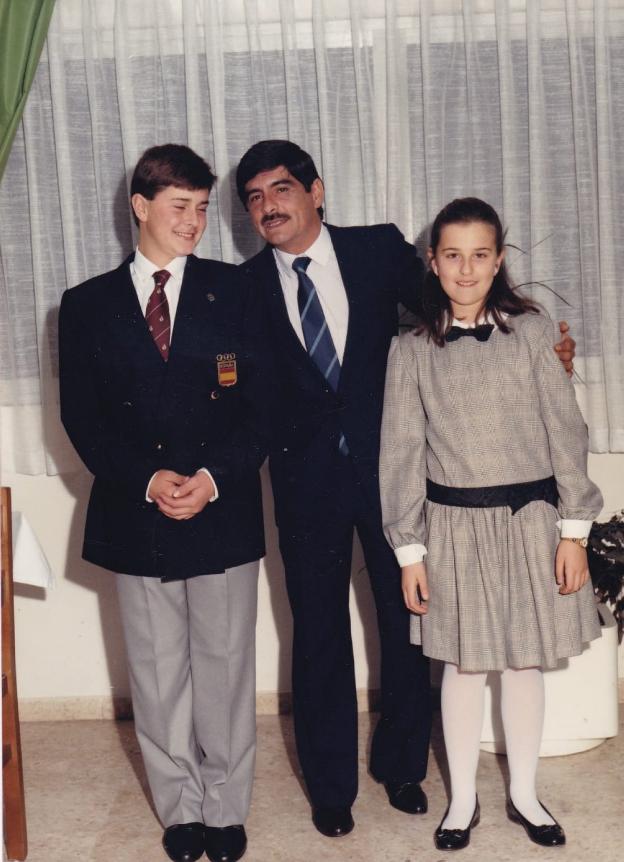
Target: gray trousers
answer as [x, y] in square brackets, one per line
[191, 657]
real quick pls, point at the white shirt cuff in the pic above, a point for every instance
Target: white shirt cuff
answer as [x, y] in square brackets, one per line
[571, 529]
[148, 499]
[209, 474]
[409, 554]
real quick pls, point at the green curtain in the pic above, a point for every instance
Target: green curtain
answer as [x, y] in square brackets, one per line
[23, 29]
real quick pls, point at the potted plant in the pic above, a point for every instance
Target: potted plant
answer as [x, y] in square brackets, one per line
[605, 554]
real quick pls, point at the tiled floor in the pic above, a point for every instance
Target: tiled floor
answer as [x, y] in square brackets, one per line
[87, 801]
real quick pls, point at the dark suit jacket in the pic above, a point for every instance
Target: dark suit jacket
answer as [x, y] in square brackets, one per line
[129, 414]
[379, 269]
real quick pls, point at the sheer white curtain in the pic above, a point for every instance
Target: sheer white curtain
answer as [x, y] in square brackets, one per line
[403, 105]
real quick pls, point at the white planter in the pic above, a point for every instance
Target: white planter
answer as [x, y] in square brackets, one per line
[581, 699]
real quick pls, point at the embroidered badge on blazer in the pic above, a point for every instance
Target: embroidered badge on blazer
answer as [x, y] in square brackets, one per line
[226, 369]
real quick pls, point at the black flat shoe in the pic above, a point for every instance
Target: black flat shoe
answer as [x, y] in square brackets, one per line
[456, 839]
[333, 822]
[407, 796]
[225, 843]
[546, 835]
[184, 842]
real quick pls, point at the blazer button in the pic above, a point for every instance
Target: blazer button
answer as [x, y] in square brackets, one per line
[214, 395]
[159, 446]
[210, 297]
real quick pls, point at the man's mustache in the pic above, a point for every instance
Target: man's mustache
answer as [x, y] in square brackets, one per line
[269, 218]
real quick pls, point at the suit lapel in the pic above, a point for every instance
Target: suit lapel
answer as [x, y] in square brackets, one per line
[352, 271]
[132, 322]
[188, 312]
[124, 299]
[129, 324]
[269, 276]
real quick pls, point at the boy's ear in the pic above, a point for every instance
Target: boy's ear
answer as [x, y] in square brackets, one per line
[140, 206]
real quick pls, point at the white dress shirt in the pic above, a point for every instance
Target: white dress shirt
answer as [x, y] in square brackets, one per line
[409, 554]
[324, 272]
[142, 271]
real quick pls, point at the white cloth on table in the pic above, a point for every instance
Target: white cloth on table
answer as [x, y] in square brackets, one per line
[30, 565]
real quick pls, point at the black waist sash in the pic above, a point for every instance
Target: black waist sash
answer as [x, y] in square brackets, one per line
[515, 496]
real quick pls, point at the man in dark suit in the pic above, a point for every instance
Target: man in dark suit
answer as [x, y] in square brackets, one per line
[324, 472]
[163, 394]
[332, 296]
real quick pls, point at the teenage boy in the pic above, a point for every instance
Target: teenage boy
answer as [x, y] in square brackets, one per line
[163, 394]
[332, 296]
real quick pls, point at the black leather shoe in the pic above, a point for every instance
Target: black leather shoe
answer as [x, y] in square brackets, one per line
[225, 844]
[547, 835]
[407, 796]
[333, 822]
[455, 839]
[184, 842]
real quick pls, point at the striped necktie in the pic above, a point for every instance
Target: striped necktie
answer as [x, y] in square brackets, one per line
[157, 313]
[316, 334]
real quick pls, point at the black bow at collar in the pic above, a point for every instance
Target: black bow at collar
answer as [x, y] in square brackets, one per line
[481, 333]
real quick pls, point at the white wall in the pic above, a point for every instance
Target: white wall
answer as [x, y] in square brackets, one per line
[69, 642]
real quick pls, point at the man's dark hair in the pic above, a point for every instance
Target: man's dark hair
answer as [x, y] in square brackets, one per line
[503, 299]
[170, 165]
[268, 155]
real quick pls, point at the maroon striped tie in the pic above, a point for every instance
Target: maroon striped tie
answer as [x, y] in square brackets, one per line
[157, 313]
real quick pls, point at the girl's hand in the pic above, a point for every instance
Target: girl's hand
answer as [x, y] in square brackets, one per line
[566, 348]
[571, 569]
[414, 586]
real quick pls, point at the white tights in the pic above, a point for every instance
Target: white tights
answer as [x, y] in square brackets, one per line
[522, 705]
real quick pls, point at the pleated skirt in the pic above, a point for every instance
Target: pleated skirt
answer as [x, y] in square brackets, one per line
[494, 602]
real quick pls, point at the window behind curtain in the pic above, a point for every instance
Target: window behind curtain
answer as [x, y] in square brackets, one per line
[402, 110]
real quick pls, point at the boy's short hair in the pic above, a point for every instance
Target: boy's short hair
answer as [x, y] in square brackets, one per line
[170, 165]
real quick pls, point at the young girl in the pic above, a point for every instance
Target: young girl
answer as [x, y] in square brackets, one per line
[483, 469]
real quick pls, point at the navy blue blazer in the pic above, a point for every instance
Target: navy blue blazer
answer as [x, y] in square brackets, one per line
[129, 413]
[379, 269]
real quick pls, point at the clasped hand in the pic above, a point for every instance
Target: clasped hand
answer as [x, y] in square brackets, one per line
[181, 497]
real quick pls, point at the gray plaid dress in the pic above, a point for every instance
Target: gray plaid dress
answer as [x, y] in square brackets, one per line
[472, 414]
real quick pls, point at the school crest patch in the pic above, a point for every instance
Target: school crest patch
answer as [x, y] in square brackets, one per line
[226, 369]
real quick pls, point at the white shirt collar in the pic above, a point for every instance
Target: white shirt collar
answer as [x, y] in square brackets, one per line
[145, 269]
[485, 318]
[319, 252]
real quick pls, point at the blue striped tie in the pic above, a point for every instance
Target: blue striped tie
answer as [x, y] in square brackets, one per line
[316, 334]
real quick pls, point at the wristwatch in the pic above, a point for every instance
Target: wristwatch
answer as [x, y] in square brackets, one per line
[582, 542]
